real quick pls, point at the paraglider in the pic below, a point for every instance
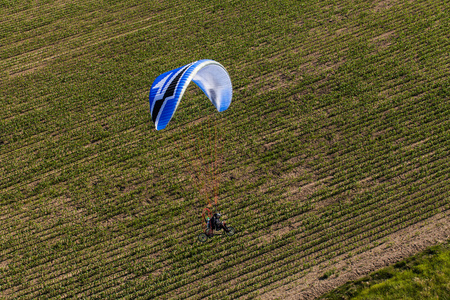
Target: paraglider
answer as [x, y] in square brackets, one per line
[165, 96]
[168, 89]
[212, 222]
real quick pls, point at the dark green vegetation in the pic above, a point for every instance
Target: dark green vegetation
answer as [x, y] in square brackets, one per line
[338, 137]
[423, 276]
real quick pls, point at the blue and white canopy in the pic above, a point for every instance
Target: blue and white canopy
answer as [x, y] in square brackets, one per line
[168, 88]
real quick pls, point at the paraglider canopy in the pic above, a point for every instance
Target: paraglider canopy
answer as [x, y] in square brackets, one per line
[168, 89]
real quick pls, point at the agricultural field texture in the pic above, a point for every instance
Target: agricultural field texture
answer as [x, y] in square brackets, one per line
[333, 160]
[423, 276]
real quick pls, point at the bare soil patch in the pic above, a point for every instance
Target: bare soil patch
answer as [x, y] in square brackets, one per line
[383, 5]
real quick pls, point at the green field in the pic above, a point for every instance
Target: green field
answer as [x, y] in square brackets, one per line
[337, 140]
